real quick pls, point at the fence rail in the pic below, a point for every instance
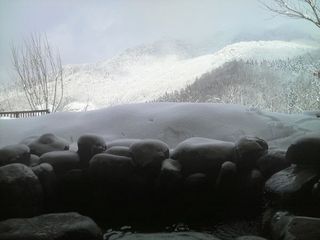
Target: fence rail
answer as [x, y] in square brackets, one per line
[24, 114]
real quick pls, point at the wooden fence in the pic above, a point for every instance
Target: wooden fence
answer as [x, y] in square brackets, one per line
[24, 114]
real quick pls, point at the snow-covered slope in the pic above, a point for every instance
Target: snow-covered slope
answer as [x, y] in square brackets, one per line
[170, 122]
[145, 74]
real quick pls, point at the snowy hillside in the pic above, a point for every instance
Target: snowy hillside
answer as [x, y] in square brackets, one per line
[140, 76]
[146, 72]
[170, 122]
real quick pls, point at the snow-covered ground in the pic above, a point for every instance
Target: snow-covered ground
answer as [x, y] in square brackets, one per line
[170, 122]
[147, 72]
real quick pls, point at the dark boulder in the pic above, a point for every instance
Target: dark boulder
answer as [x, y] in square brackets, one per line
[61, 161]
[88, 146]
[47, 143]
[272, 162]
[58, 226]
[170, 179]
[34, 160]
[196, 201]
[251, 188]
[305, 151]
[148, 155]
[288, 227]
[227, 181]
[316, 192]
[292, 185]
[48, 180]
[18, 153]
[119, 151]
[113, 181]
[107, 168]
[202, 155]
[20, 190]
[249, 149]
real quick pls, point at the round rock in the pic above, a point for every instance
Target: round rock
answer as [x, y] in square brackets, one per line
[20, 190]
[292, 185]
[170, 177]
[305, 151]
[61, 161]
[119, 151]
[203, 155]
[47, 143]
[108, 168]
[272, 162]
[48, 180]
[227, 179]
[57, 226]
[18, 153]
[148, 155]
[88, 146]
[249, 149]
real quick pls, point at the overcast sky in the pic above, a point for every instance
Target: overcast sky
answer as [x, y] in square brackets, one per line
[89, 31]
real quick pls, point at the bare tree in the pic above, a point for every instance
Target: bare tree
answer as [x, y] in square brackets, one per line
[308, 10]
[40, 72]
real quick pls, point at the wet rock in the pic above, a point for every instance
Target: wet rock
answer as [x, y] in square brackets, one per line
[249, 149]
[291, 185]
[18, 153]
[88, 146]
[47, 143]
[148, 155]
[272, 162]
[34, 160]
[251, 189]
[196, 193]
[305, 151]
[174, 235]
[119, 151]
[111, 178]
[107, 168]
[48, 180]
[61, 161]
[288, 227]
[316, 191]
[226, 184]
[20, 191]
[60, 226]
[170, 179]
[202, 155]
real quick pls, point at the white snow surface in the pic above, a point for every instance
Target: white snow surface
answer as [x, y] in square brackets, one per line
[144, 74]
[169, 122]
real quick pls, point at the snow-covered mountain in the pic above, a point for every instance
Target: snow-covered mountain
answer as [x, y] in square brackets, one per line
[146, 73]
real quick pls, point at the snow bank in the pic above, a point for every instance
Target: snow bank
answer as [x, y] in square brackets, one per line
[169, 122]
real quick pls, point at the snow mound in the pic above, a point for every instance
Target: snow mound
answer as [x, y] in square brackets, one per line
[169, 122]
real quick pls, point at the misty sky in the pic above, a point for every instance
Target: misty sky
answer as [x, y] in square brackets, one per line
[89, 31]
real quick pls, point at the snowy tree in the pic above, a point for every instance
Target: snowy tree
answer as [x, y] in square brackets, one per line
[39, 72]
[308, 10]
